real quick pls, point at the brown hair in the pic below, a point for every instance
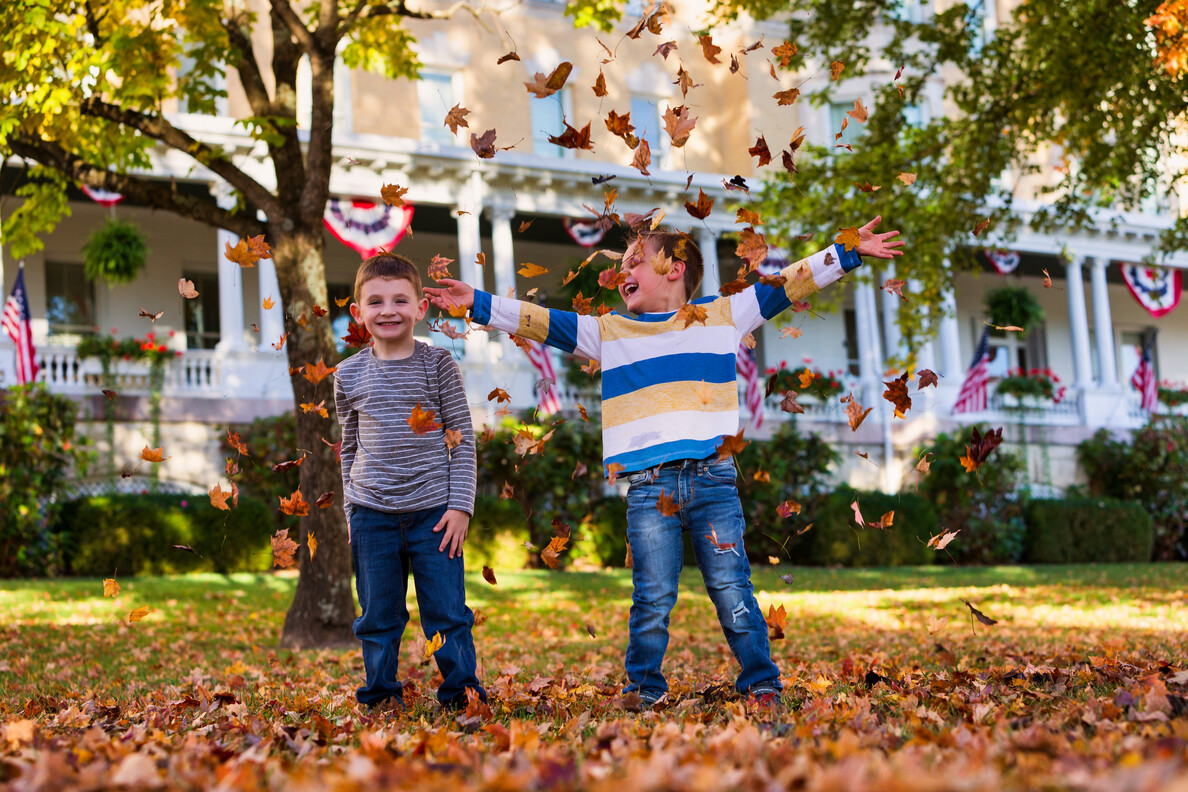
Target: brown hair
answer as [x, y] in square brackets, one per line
[387, 265]
[679, 246]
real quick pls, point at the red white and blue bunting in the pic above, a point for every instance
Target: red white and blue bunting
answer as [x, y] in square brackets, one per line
[585, 234]
[102, 197]
[365, 227]
[1005, 261]
[1157, 289]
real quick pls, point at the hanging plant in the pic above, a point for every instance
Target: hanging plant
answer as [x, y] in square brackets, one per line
[115, 253]
[1014, 306]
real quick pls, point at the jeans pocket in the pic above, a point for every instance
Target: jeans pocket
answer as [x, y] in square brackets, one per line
[725, 472]
[640, 477]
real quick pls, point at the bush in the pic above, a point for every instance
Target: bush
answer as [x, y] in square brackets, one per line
[1153, 470]
[982, 505]
[796, 466]
[268, 441]
[39, 450]
[836, 538]
[1087, 530]
[136, 534]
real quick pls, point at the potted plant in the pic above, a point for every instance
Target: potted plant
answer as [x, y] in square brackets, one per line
[115, 253]
[1173, 394]
[804, 381]
[1031, 385]
[1014, 306]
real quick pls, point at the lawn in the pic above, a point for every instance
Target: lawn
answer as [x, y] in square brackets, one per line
[889, 679]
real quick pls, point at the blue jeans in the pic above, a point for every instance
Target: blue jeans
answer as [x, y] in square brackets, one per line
[384, 548]
[708, 498]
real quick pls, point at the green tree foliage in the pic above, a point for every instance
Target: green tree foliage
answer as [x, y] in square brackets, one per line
[39, 450]
[1074, 74]
[1087, 530]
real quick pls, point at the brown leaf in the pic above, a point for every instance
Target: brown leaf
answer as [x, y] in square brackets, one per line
[752, 247]
[483, 145]
[154, 454]
[679, 125]
[667, 504]
[283, 549]
[325, 500]
[761, 151]
[551, 555]
[897, 394]
[489, 575]
[981, 226]
[942, 539]
[785, 52]
[572, 138]
[979, 448]
[600, 85]
[393, 194]
[234, 441]
[453, 438]
[854, 412]
[732, 444]
[612, 471]
[542, 87]
[511, 56]
[788, 508]
[665, 49]
[895, 286]
[787, 97]
[789, 404]
[776, 620]
[859, 113]
[357, 335]
[281, 467]
[294, 505]
[835, 70]
[456, 118]
[907, 178]
[642, 158]
[983, 618]
[186, 288]
[421, 421]
[709, 49]
[702, 208]
[927, 377]
[691, 313]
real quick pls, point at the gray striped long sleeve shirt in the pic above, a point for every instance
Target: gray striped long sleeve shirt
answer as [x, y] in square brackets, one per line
[385, 465]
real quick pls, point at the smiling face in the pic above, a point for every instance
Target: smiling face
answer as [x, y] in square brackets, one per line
[654, 281]
[389, 308]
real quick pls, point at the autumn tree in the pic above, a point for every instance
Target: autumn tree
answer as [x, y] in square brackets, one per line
[1075, 81]
[88, 84]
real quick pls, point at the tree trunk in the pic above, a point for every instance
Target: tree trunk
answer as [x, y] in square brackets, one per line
[323, 609]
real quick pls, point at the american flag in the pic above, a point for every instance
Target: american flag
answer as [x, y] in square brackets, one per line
[972, 396]
[745, 364]
[1144, 381]
[542, 361]
[17, 327]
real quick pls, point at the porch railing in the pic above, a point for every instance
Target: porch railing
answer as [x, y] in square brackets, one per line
[195, 373]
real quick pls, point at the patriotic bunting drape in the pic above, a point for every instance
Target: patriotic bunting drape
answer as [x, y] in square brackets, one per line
[365, 227]
[585, 234]
[1005, 261]
[1157, 289]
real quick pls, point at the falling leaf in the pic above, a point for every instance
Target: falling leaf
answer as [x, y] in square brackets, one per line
[218, 498]
[315, 373]
[791, 332]
[484, 145]
[294, 505]
[489, 575]
[280, 342]
[311, 542]
[752, 247]
[979, 448]
[542, 87]
[897, 394]
[234, 441]
[357, 335]
[439, 267]
[421, 421]
[849, 238]
[895, 286]
[642, 158]
[790, 405]
[393, 194]
[936, 624]
[456, 118]
[186, 288]
[531, 270]
[732, 444]
[806, 378]
[713, 537]
[319, 408]
[702, 208]
[154, 454]
[139, 613]
[787, 97]
[109, 394]
[1047, 280]
[835, 70]
[434, 643]
[612, 471]
[511, 56]
[927, 377]
[761, 151]
[854, 412]
[709, 49]
[679, 125]
[859, 113]
[691, 313]
[240, 254]
[453, 438]
[981, 226]
[573, 138]
[788, 508]
[942, 539]
[551, 555]
[925, 464]
[283, 547]
[268, 303]
[776, 620]
[600, 85]
[907, 178]
[111, 588]
[667, 504]
[785, 52]
[788, 578]
[983, 618]
[325, 500]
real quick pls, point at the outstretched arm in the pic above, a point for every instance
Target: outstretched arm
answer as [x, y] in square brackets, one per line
[878, 245]
[451, 294]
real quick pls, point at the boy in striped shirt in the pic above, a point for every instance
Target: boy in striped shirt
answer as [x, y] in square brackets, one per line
[669, 400]
[408, 489]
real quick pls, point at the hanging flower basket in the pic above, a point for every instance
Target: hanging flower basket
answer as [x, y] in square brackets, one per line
[1013, 306]
[116, 253]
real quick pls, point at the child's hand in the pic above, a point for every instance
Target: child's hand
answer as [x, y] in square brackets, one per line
[456, 524]
[450, 294]
[878, 245]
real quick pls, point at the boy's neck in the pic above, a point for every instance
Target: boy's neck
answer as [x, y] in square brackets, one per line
[397, 349]
[666, 303]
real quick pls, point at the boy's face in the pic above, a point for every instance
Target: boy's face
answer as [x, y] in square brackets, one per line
[650, 277]
[389, 309]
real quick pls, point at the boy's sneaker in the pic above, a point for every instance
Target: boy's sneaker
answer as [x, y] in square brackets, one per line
[767, 701]
[639, 701]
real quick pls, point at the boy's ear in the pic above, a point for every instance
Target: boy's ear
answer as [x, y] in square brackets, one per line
[423, 308]
[355, 312]
[676, 271]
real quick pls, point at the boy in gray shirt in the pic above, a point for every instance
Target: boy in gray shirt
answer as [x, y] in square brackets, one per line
[408, 479]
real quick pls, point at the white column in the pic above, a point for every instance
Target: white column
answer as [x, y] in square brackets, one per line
[890, 317]
[1078, 323]
[1103, 326]
[866, 323]
[926, 356]
[711, 279]
[230, 284]
[469, 245]
[950, 340]
[272, 320]
[504, 261]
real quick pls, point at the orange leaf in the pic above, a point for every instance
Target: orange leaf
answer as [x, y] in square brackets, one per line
[218, 498]
[679, 125]
[357, 335]
[907, 178]
[294, 505]
[897, 394]
[785, 52]
[835, 70]
[186, 288]
[268, 303]
[421, 421]
[531, 270]
[453, 438]
[849, 238]
[433, 644]
[457, 118]
[667, 504]
[732, 444]
[613, 470]
[283, 549]
[393, 194]
[859, 113]
[642, 158]
[319, 408]
[692, 313]
[709, 49]
[702, 208]
[111, 588]
[551, 555]
[315, 373]
[139, 613]
[752, 247]
[776, 621]
[786, 97]
[854, 412]
[234, 441]
[154, 454]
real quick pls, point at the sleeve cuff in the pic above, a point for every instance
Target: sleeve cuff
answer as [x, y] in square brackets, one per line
[481, 310]
[849, 259]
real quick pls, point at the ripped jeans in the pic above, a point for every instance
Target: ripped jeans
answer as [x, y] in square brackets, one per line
[707, 496]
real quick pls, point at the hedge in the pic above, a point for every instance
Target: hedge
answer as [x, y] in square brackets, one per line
[136, 534]
[837, 539]
[1088, 530]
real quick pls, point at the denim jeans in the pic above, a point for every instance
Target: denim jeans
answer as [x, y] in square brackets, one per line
[384, 548]
[708, 498]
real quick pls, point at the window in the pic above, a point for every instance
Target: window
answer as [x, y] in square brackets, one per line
[915, 116]
[547, 117]
[853, 131]
[343, 118]
[646, 118]
[436, 95]
[906, 10]
[852, 364]
[69, 300]
[982, 21]
[1130, 352]
[201, 314]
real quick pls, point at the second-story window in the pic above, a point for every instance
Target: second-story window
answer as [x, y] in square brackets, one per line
[201, 314]
[547, 120]
[853, 131]
[436, 94]
[69, 300]
[647, 117]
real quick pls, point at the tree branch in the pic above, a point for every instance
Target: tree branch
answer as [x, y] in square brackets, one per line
[248, 70]
[400, 8]
[154, 194]
[160, 129]
[293, 23]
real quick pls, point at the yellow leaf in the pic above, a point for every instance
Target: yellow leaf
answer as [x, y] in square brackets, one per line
[154, 454]
[111, 588]
[268, 303]
[139, 613]
[312, 542]
[532, 270]
[433, 645]
[848, 238]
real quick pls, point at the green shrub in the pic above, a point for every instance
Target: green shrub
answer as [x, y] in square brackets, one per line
[796, 466]
[1151, 469]
[982, 505]
[836, 538]
[136, 534]
[1087, 530]
[268, 441]
[38, 448]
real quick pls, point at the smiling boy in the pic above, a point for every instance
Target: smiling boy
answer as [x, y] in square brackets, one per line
[403, 485]
[669, 398]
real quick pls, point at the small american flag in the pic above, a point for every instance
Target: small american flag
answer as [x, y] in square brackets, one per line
[548, 401]
[972, 396]
[1144, 381]
[17, 326]
[745, 364]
